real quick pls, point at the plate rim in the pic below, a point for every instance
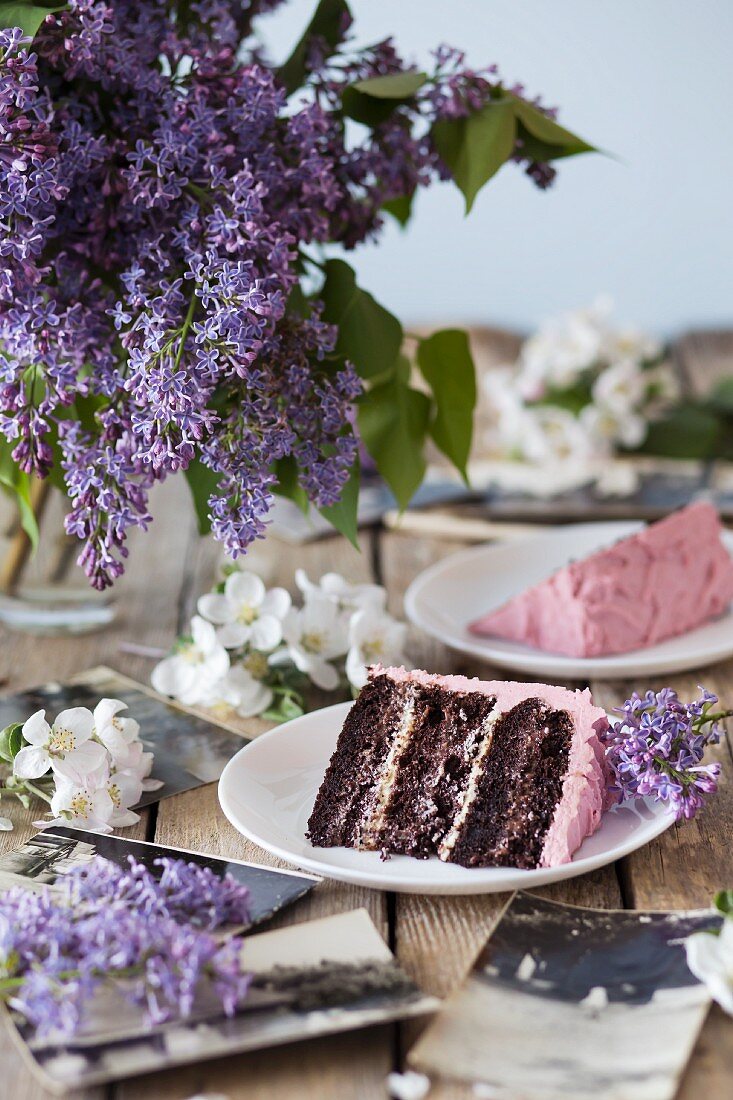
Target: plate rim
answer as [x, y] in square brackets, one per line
[371, 879]
[540, 662]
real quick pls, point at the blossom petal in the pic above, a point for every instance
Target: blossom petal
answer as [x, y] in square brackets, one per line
[36, 729]
[31, 763]
[233, 635]
[277, 602]
[204, 634]
[78, 720]
[245, 588]
[216, 607]
[255, 702]
[173, 676]
[266, 633]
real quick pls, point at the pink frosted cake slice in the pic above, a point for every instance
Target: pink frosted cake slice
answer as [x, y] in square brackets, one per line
[481, 773]
[664, 581]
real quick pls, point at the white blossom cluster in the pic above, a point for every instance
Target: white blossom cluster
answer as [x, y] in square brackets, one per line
[251, 649]
[580, 390]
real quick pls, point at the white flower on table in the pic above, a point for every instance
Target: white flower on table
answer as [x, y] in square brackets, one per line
[347, 597]
[190, 673]
[563, 348]
[83, 801]
[241, 690]
[246, 613]
[315, 635]
[606, 426]
[374, 638]
[138, 764]
[6, 825]
[710, 958]
[69, 738]
[621, 388]
[555, 435]
[116, 733]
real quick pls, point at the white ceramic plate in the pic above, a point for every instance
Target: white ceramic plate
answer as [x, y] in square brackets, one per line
[443, 599]
[268, 789]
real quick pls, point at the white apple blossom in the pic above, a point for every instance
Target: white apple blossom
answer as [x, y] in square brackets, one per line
[555, 435]
[85, 803]
[606, 426]
[710, 958]
[116, 733]
[315, 635]
[190, 673]
[69, 738]
[241, 691]
[138, 764]
[346, 596]
[563, 348]
[6, 825]
[620, 388]
[374, 638]
[246, 613]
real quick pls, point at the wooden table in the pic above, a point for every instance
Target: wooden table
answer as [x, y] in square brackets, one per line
[435, 938]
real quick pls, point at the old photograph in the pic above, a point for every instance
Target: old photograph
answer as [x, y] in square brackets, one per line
[605, 995]
[47, 856]
[318, 978]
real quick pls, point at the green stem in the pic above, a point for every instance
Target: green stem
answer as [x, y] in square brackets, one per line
[186, 326]
[36, 791]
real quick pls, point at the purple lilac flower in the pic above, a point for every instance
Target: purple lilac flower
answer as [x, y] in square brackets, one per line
[658, 745]
[156, 191]
[149, 936]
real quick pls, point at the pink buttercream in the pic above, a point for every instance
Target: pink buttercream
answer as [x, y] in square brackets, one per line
[663, 581]
[584, 793]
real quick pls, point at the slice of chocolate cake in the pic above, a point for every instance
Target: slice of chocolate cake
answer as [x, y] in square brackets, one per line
[481, 773]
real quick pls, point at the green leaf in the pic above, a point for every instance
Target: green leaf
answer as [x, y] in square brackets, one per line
[286, 470]
[373, 101]
[18, 485]
[543, 138]
[686, 432]
[369, 335]
[447, 366]
[28, 16]
[11, 742]
[343, 515]
[474, 148]
[393, 423]
[723, 902]
[400, 208]
[202, 482]
[329, 22]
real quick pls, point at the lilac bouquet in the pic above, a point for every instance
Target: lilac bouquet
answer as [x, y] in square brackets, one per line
[167, 302]
[658, 745]
[147, 936]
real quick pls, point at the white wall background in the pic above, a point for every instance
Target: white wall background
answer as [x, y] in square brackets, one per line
[650, 80]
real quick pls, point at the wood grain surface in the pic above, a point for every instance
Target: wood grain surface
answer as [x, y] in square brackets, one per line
[435, 938]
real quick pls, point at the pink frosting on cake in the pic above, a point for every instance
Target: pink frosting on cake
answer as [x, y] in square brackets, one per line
[584, 794]
[664, 581]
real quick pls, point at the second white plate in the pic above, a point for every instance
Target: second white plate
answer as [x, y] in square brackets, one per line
[444, 598]
[268, 789]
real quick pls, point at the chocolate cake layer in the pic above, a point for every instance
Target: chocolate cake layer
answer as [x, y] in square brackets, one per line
[351, 782]
[424, 791]
[512, 798]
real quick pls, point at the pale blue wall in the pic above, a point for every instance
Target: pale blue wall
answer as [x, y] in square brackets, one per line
[651, 80]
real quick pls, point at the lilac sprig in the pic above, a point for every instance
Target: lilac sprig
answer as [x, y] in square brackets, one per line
[107, 925]
[658, 745]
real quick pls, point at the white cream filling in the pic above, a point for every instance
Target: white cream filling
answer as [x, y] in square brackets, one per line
[469, 796]
[388, 777]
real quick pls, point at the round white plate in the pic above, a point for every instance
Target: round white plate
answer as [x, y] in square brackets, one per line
[268, 789]
[455, 591]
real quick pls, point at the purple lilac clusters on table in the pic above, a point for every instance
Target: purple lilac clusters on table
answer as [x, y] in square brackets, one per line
[157, 195]
[150, 936]
[658, 746]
